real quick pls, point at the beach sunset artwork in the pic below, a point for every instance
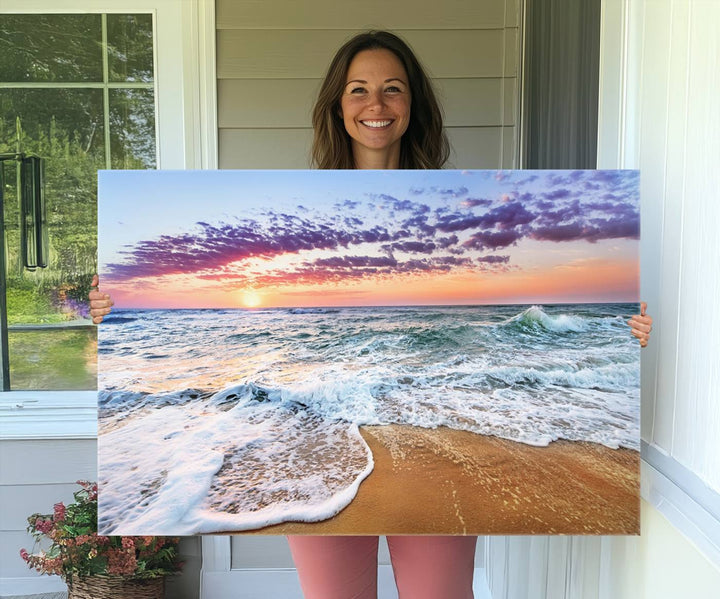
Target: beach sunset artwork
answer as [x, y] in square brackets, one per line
[369, 352]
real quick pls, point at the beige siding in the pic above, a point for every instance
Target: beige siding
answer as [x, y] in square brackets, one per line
[306, 54]
[287, 103]
[331, 14]
[264, 148]
[271, 58]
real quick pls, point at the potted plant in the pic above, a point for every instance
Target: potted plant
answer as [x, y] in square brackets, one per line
[96, 566]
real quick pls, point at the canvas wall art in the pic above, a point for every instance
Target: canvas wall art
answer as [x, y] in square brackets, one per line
[369, 352]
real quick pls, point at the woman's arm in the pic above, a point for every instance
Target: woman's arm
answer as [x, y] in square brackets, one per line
[100, 303]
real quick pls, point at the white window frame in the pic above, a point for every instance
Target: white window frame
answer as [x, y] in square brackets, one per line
[186, 136]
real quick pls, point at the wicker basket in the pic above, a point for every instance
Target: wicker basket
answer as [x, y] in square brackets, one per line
[116, 587]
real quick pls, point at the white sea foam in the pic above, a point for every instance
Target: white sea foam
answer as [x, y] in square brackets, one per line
[254, 464]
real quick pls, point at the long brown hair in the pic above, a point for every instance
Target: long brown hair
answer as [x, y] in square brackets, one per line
[424, 144]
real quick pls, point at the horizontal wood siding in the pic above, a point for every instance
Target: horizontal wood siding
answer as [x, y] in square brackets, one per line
[306, 54]
[287, 103]
[264, 148]
[471, 147]
[331, 14]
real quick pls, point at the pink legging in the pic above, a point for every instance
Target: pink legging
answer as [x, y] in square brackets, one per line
[425, 567]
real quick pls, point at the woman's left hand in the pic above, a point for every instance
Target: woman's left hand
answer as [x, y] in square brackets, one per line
[641, 325]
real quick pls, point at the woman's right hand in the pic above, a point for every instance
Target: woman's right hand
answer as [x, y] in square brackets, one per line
[100, 303]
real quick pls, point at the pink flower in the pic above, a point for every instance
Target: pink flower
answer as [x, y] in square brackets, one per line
[59, 509]
[128, 543]
[121, 562]
[44, 526]
[24, 555]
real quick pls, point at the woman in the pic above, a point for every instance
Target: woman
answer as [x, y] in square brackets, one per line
[377, 110]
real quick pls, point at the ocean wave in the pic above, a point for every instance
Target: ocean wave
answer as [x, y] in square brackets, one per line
[313, 310]
[614, 377]
[535, 318]
[115, 319]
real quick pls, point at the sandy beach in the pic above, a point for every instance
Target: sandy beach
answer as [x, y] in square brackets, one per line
[445, 481]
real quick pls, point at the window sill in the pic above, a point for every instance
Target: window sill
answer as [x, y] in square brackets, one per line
[48, 415]
[686, 501]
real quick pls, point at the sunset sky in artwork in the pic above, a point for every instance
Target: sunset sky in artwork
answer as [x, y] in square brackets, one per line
[249, 239]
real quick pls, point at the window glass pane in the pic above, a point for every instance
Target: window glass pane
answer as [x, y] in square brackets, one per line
[132, 128]
[54, 358]
[130, 47]
[50, 48]
[54, 121]
[65, 127]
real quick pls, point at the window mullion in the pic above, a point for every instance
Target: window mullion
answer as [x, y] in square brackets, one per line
[106, 90]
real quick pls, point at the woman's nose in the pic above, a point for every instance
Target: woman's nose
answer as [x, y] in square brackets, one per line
[375, 99]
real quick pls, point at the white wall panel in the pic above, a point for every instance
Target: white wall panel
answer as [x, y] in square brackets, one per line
[655, 84]
[544, 567]
[675, 98]
[674, 86]
[34, 475]
[668, 124]
[697, 413]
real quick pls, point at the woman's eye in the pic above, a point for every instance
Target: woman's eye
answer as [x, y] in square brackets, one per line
[393, 89]
[357, 90]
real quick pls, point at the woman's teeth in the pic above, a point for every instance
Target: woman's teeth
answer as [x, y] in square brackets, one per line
[376, 124]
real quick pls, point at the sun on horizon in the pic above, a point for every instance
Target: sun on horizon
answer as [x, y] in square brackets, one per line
[251, 298]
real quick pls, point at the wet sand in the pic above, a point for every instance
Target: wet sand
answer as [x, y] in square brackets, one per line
[444, 481]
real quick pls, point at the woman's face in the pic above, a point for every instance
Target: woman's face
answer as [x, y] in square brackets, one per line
[375, 104]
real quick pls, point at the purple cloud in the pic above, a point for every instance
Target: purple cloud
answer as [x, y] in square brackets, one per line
[474, 202]
[557, 194]
[494, 259]
[414, 247]
[489, 240]
[505, 216]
